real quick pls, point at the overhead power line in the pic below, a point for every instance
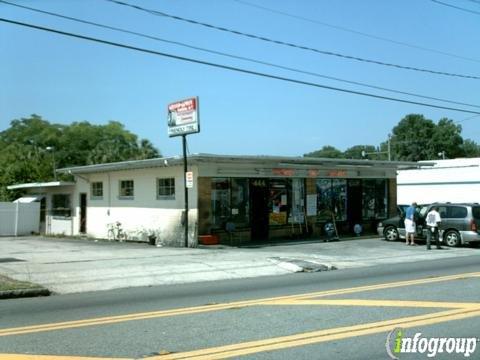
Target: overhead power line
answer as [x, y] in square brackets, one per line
[468, 118]
[356, 32]
[456, 7]
[234, 56]
[288, 44]
[231, 68]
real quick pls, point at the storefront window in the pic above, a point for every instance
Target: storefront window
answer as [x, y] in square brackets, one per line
[230, 202]
[331, 197]
[339, 198]
[240, 201]
[278, 201]
[374, 199]
[297, 215]
[220, 201]
[324, 203]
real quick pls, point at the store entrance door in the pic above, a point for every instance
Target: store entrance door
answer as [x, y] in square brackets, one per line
[354, 203]
[259, 209]
[83, 213]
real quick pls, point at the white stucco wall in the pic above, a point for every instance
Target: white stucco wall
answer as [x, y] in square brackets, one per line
[455, 180]
[56, 225]
[142, 215]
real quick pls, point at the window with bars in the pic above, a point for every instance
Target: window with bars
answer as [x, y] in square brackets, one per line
[61, 205]
[97, 190]
[166, 189]
[126, 190]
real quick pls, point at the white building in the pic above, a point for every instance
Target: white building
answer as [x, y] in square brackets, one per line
[253, 197]
[455, 181]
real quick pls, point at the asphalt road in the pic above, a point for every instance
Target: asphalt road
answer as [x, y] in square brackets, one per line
[342, 314]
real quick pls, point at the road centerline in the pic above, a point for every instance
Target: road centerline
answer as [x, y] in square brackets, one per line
[223, 306]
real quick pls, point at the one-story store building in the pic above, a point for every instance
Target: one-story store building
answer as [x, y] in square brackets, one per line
[244, 198]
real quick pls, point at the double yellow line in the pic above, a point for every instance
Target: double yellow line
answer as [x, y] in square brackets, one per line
[224, 306]
[456, 311]
[315, 337]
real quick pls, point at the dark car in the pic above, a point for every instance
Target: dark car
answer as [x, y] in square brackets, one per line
[460, 223]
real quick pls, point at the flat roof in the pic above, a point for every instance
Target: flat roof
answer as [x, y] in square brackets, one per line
[277, 161]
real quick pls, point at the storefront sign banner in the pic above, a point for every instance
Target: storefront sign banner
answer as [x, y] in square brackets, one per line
[283, 172]
[337, 173]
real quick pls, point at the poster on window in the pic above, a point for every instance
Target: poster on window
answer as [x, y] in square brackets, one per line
[312, 205]
[278, 218]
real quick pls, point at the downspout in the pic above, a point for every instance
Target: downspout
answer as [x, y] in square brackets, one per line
[109, 195]
[16, 218]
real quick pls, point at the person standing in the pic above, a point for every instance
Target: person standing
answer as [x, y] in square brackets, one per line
[433, 222]
[410, 227]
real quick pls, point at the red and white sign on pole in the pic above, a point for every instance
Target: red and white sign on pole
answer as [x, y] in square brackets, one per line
[189, 179]
[183, 117]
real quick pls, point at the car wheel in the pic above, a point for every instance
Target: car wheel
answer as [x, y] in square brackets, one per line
[452, 238]
[391, 233]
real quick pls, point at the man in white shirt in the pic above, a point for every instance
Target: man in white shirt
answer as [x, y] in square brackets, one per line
[433, 222]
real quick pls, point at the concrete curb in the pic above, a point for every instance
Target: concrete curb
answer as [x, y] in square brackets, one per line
[21, 293]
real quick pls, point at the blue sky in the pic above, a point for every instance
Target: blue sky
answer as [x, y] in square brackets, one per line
[66, 79]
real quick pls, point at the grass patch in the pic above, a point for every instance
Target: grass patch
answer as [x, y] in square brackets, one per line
[7, 284]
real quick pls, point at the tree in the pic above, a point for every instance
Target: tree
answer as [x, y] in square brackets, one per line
[326, 152]
[416, 138]
[470, 148]
[412, 138]
[24, 156]
[447, 138]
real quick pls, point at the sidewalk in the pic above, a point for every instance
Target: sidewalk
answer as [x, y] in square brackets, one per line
[77, 265]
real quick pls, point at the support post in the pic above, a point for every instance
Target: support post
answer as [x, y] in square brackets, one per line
[389, 148]
[17, 205]
[184, 145]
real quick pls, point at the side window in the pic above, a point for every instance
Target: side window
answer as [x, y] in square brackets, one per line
[456, 212]
[166, 189]
[443, 211]
[423, 211]
[61, 205]
[476, 212]
[96, 190]
[126, 189]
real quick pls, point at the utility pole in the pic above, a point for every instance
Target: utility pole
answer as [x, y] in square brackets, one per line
[388, 152]
[389, 147]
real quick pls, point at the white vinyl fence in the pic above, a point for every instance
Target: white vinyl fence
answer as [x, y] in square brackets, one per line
[19, 218]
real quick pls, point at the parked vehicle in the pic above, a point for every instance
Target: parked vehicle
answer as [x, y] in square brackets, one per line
[460, 224]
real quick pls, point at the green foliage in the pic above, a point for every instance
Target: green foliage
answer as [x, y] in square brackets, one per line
[326, 152]
[414, 138]
[24, 156]
[355, 152]
[470, 148]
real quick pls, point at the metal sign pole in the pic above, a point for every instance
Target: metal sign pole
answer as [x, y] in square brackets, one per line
[184, 142]
[183, 119]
